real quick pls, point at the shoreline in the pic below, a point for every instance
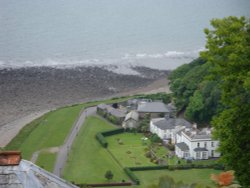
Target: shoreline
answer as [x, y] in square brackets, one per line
[151, 81]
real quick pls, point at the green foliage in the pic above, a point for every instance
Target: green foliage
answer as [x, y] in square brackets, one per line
[155, 138]
[193, 92]
[109, 175]
[228, 52]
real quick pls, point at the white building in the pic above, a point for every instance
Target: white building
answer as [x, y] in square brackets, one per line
[167, 128]
[196, 144]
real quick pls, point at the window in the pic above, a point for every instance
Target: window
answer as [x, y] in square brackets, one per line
[204, 155]
[198, 155]
[205, 144]
[212, 153]
[212, 144]
[186, 154]
[198, 144]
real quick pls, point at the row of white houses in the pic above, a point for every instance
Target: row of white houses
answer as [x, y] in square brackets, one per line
[189, 141]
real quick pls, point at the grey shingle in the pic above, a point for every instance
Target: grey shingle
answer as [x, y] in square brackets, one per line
[183, 146]
[153, 107]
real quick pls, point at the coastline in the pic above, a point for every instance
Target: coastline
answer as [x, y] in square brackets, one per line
[149, 81]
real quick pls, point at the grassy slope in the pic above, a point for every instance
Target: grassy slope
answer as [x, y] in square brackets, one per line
[46, 160]
[88, 161]
[201, 176]
[51, 132]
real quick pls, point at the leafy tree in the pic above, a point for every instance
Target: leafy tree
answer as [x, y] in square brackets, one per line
[228, 52]
[109, 175]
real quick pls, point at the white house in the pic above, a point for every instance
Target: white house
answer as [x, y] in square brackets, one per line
[196, 144]
[131, 120]
[167, 128]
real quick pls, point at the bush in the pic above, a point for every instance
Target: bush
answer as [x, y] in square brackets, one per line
[155, 138]
[144, 168]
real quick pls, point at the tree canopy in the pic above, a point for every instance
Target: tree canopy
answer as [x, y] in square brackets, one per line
[215, 89]
[228, 52]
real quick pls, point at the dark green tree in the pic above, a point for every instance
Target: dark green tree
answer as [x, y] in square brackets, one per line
[109, 175]
[228, 52]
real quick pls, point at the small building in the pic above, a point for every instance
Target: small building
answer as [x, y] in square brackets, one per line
[167, 128]
[131, 120]
[196, 144]
[18, 173]
[115, 115]
[154, 109]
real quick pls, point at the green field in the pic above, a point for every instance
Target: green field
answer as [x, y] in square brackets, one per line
[50, 131]
[200, 176]
[46, 160]
[88, 160]
[130, 151]
[40, 133]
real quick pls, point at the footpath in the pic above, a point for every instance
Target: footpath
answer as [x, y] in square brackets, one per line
[65, 148]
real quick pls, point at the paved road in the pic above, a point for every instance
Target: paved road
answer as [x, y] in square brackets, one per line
[65, 148]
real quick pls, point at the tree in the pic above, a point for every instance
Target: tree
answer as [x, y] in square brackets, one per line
[109, 175]
[228, 52]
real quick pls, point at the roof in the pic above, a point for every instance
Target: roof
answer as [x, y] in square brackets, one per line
[152, 107]
[10, 158]
[116, 112]
[183, 146]
[197, 134]
[103, 106]
[27, 174]
[132, 115]
[200, 149]
[170, 123]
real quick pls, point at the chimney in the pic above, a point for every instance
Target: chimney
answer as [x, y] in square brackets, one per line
[10, 158]
[194, 126]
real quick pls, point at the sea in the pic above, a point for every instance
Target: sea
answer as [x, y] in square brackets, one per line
[160, 34]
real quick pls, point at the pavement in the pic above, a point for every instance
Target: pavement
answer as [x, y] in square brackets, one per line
[65, 148]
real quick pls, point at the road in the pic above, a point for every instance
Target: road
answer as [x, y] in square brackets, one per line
[65, 148]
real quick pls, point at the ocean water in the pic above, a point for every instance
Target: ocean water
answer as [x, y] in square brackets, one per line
[160, 34]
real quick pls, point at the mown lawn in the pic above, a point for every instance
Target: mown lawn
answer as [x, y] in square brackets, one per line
[50, 132]
[88, 160]
[46, 160]
[129, 149]
[200, 176]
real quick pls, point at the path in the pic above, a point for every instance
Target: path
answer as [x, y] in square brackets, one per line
[65, 148]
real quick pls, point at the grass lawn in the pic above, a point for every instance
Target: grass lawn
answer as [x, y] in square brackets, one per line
[88, 160]
[131, 151]
[201, 176]
[46, 160]
[50, 132]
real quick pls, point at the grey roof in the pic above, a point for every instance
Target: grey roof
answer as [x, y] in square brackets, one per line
[132, 115]
[103, 106]
[200, 149]
[27, 174]
[116, 112]
[152, 107]
[198, 134]
[170, 123]
[183, 146]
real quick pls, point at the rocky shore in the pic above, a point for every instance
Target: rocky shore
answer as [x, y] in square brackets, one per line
[26, 91]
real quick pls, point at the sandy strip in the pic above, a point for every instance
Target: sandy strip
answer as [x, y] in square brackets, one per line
[10, 130]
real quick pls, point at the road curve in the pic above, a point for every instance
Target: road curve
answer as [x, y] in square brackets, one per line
[65, 148]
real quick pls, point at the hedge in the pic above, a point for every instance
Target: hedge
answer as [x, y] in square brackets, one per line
[113, 132]
[133, 177]
[104, 184]
[102, 140]
[143, 168]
